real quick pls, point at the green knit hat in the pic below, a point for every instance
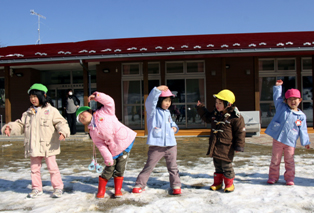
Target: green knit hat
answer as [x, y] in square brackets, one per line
[80, 110]
[39, 87]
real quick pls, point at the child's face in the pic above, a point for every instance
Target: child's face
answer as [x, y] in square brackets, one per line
[219, 104]
[85, 117]
[34, 100]
[165, 104]
[294, 103]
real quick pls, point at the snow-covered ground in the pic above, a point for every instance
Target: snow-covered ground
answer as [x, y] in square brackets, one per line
[252, 193]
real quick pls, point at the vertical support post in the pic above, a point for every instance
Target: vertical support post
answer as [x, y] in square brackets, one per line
[8, 117]
[145, 77]
[313, 82]
[256, 85]
[85, 86]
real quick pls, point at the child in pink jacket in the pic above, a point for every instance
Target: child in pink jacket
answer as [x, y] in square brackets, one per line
[113, 139]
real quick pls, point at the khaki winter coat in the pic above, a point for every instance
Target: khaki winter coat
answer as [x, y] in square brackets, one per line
[227, 132]
[41, 131]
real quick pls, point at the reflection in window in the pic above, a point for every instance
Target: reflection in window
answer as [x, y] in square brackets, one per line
[131, 69]
[195, 67]
[153, 68]
[177, 87]
[132, 116]
[194, 90]
[266, 65]
[2, 93]
[308, 111]
[307, 64]
[183, 109]
[131, 92]
[77, 77]
[174, 67]
[268, 111]
[266, 87]
[286, 64]
[55, 77]
[307, 90]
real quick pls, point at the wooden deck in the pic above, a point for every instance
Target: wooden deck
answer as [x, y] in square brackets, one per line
[204, 132]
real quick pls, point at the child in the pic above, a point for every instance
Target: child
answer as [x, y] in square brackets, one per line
[227, 135]
[113, 139]
[285, 128]
[161, 139]
[44, 128]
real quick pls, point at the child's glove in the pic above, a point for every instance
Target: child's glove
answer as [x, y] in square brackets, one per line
[108, 163]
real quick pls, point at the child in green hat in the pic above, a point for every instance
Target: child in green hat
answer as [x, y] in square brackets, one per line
[113, 139]
[43, 127]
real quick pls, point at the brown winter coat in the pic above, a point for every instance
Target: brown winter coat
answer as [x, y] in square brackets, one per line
[41, 131]
[227, 132]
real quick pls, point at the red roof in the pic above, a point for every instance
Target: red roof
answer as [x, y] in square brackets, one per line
[173, 44]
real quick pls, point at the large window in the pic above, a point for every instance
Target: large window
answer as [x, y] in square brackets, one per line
[2, 93]
[189, 87]
[186, 79]
[307, 90]
[271, 70]
[133, 92]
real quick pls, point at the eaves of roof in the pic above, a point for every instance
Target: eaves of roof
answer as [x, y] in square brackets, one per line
[219, 44]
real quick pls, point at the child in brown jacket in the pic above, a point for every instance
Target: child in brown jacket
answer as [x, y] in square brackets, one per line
[227, 136]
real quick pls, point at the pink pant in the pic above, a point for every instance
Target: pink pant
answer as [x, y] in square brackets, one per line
[274, 167]
[53, 169]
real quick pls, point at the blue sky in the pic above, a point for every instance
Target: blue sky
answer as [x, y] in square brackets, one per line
[79, 20]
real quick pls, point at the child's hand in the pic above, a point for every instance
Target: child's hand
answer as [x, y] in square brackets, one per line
[174, 129]
[7, 131]
[61, 137]
[279, 82]
[91, 97]
[162, 87]
[198, 103]
[307, 146]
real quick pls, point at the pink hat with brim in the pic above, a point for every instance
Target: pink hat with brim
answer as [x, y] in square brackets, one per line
[292, 93]
[166, 93]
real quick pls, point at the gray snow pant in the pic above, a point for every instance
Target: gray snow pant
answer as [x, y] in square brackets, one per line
[155, 153]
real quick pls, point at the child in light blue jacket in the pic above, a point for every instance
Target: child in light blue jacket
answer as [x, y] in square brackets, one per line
[288, 124]
[161, 139]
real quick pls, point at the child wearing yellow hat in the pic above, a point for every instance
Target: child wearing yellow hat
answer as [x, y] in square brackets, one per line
[227, 136]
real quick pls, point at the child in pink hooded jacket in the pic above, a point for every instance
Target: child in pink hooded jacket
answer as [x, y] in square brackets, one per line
[113, 139]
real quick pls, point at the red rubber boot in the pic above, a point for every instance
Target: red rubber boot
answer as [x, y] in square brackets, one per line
[101, 187]
[229, 187]
[118, 186]
[218, 178]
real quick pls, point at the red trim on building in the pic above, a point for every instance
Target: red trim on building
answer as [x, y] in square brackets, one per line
[161, 44]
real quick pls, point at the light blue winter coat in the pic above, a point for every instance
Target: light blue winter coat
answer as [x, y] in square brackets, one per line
[159, 122]
[283, 127]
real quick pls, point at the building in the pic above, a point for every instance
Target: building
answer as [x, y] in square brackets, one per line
[194, 67]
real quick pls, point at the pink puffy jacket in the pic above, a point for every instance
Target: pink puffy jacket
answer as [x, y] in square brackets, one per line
[110, 136]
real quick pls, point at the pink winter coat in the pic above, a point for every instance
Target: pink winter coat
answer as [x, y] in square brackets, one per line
[109, 135]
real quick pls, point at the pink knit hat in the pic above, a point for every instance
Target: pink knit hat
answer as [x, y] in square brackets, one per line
[166, 93]
[295, 93]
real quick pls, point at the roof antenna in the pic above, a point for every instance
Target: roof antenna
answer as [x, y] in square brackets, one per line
[39, 16]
